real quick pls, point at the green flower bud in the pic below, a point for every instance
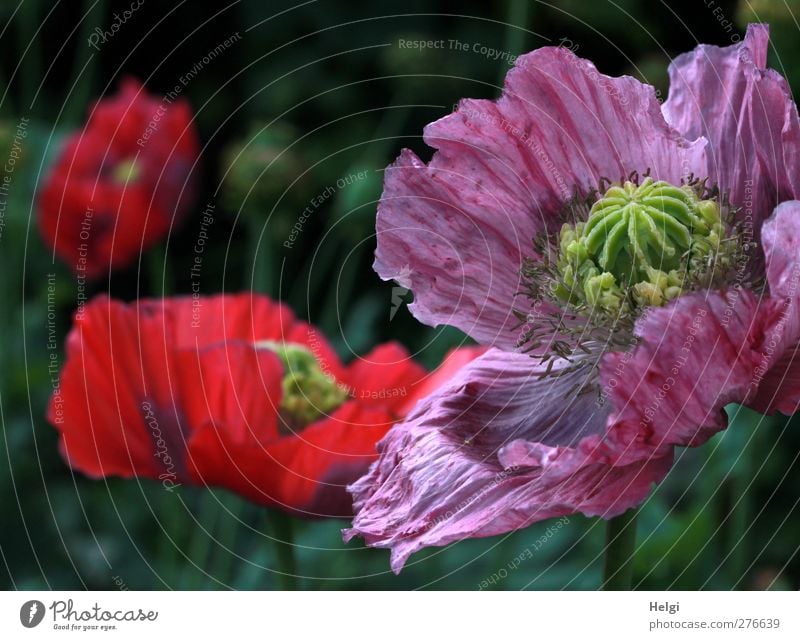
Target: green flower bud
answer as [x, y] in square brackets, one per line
[602, 291]
[259, 168]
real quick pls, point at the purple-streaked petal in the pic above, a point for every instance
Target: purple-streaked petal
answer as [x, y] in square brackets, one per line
[493, 451]
[747, 114]
[780, 388]
[697, 354]
[781, 240]
[455, 231]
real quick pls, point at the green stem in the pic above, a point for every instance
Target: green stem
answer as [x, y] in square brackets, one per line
[620, 546]
[260, 270]
[200, 546]
[339, 295]
[229, 528]
[84, 66]
[280, 529]
[743, 429]
[172, 521]
[31, 67]
[742, 473]
[390, 124]
[159, 271]
[515, 38]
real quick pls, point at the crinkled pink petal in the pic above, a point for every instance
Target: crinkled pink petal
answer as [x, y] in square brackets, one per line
[780, 388]
[781, 240]
[696, 355]
[455, 359]
[709, 349]
[493, 451]
[749, 118]
[455, 231]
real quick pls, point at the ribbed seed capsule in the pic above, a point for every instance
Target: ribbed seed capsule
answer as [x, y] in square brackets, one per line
[639, 239]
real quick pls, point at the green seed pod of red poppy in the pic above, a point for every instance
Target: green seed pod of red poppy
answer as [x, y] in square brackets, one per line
[308, 392]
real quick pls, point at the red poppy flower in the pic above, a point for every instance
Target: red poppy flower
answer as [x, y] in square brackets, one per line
[118, 185]
[230, 391]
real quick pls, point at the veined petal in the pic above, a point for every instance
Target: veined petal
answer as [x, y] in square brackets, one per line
[780, 388]
[707, 350]
[698, 354]
[746, 112]
[455, 231]
[454, 360]
[493, 451]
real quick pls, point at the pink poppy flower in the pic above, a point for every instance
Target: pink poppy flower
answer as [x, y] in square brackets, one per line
[661, 285]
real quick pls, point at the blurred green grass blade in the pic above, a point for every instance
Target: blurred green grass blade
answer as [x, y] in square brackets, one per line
[518, 16]
[31, 67]
[84, 65]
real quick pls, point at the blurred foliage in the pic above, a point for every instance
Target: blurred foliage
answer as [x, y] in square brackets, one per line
[782, 16]
[311, 96]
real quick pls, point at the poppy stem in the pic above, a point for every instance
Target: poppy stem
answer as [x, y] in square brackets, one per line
[261, 269]
[29, 42]
[620, 547]
[84, 64]
[203, 532]
[281, 530]
[159, 271]
[741, 436]
[232, 523]
[516, 21]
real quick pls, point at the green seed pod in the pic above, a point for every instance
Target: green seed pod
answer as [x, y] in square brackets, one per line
[308, 392]
[645, 239]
